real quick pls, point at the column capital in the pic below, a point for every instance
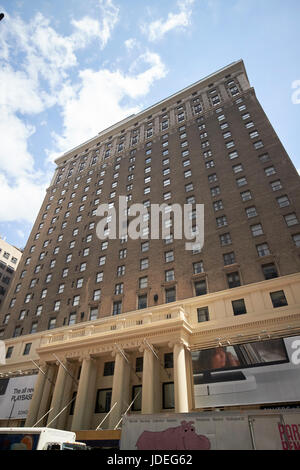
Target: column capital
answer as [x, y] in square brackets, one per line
[178, 342]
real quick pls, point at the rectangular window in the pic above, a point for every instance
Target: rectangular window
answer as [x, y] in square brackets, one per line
[168, 396]
[283, 201]
[239, 307]
[200, 288]
[269, 271]
[263, 249]
[241, 182]
[202, 314]
[296, 239]
[229, 258]
[93, 314]
[169, 256]
[142, 301]
[198, 267]
[225, 239]
[276, 185]
[169, 275]
[170, 295]
[103, 400]
[117, 308]
[109, 368]
[246, 196]
[144, 263]
[251, 212]
[291, 219]
[143, 282]
[256, 230]
[168, 360]
[96, 295]
[278, 299]
[136, 398]
[233, 280]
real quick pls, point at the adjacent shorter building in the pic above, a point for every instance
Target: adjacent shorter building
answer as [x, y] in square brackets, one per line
[9, 259]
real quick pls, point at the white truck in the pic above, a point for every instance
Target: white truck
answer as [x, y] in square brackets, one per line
[38, 439]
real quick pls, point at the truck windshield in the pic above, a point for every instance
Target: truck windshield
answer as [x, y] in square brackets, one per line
[71, 446]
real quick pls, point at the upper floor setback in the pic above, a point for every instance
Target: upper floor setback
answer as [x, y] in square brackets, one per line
[194, 100]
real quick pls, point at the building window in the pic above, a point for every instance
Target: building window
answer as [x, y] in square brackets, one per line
[143, 282]
[139, 364]
[233, 280]
[9, 352]
[251, 212]
[269, 271]
[270, 171]
[218, 205]
[33, 328]
[169, 275]
[225, 239]
[239, 307]
[296, 239]
[27, 349]
[291, 219]
[56, 306]
[169, 256]
[229, 258]
[170, 295]
[257, 230]
[144, 263]
[168, 360]
[72, 319]
[202, 314]
[93, 314]
[278, 299]
[221, 221]
[142, 301]
[263, 249]
[168, 395]
[119, 288]
[246, 196]
[200, 288]
[283, 201]
[198, 267]
[241, 182]
[117, 307]
[109, 368]
[103, 400]
[276, 185]
[136, 398]
[76, 300]
[52, 323]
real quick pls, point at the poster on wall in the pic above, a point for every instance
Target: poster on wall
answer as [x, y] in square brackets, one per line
[257, 372]
[15, 396]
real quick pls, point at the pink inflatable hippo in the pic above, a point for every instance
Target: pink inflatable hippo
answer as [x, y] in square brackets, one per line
[182, 437]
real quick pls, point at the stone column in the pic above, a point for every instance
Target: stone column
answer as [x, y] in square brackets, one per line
[120, 389]
[180, 378]
[44, 404]
[32, 416]
[150, 386]
[58, 394]
[70, 382]
[85, 399]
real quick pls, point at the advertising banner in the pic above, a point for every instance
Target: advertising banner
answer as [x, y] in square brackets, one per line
[225, 430]
[15, 396]
[252, 373]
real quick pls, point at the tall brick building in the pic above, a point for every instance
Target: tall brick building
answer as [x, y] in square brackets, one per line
[212, 144]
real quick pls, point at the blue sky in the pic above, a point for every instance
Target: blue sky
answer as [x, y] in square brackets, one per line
[69, 69]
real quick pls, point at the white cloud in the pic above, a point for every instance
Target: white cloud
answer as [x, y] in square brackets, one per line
[35, 66]
[96, 104]
[157, 29]
[130, 43]
[88, 28]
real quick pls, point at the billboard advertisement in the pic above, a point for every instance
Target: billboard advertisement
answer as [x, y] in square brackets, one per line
[245, 374]
[225, 430]
[15, 396]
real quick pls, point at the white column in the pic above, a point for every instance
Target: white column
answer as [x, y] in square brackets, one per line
[180, 378]
[120, 389]
[37, 396]
[44, 404]
[57, 398]
[85, 403]
[150, 386]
